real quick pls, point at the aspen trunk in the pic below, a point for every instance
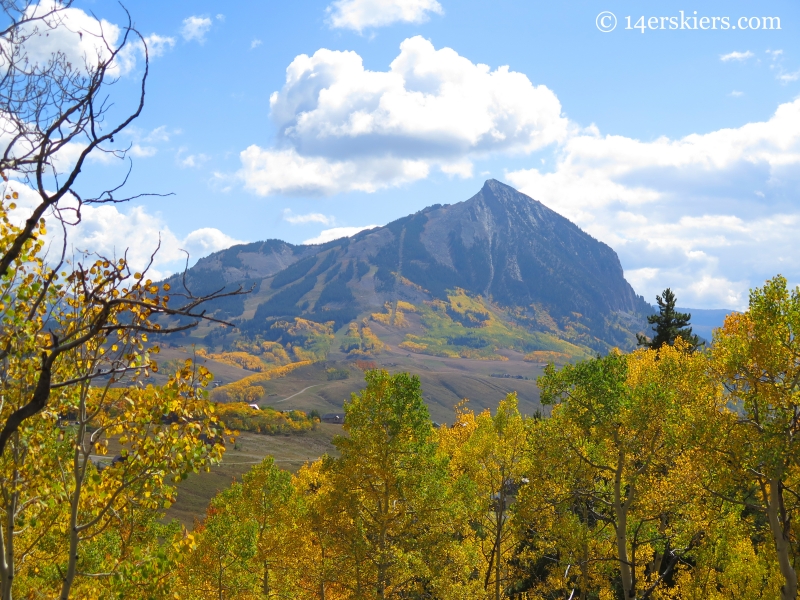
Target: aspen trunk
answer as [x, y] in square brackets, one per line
[621, 513]
[5, 571]
[777, 524]
[7, 565]
[584, 591]
[322, 582]
[383, 566]
[7, 559]
[497, 542]
[265, 581]
[78, 471]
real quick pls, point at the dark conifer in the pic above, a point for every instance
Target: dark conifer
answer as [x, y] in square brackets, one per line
[669, 325]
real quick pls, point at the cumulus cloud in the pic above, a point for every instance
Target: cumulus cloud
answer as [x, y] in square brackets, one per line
[268, 172]
[83, 39]
[709, 215]
[362, 14]
[116, 230]
[342, 127]
[112, 232]
[294, 219]
[195, 28]
[255, 44]
[737, 56]
[335, 233]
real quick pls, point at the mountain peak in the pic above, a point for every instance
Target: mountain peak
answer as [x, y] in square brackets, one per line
[494, 186]
[500, 244]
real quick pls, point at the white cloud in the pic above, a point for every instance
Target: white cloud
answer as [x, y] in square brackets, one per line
[114, 230]
[289, 217]
[195, 28]
[328, 235]
[255, 44]
[268, 172]
[775, 54]
[110, 232]
[83, 39]
[738, 56]
[145, 144]
[159, 134]
[736, 94]
[709, 215]
[138, 151]
[157, 45]
[191, 161]
[342, 127]
[788, 77]
[202, 242]
[220, 17]
[361, 14]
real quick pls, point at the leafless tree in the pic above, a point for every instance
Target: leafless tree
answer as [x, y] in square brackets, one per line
[57, 107]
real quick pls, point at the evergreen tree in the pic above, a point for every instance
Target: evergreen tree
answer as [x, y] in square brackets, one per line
[669, 325]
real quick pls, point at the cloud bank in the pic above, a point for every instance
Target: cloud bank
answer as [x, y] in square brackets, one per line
[362, 14]
[710, 215]
[110, 232]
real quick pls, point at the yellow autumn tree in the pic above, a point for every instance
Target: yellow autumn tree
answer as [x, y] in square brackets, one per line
[757, 356]
[401, 534]
[492, 454]
[626, 418]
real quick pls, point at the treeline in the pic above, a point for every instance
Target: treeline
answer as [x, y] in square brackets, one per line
[240, 416]
[659, 474]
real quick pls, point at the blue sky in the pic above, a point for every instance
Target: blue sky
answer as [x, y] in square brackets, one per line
[678, 148]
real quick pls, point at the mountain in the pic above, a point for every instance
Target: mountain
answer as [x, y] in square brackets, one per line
[498, 271]
[705, 320]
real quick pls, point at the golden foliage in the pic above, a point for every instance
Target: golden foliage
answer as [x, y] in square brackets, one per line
[393, 316]
[242, 417]
[361, 341]
[238, 359]
[248, 389]
[545, 356]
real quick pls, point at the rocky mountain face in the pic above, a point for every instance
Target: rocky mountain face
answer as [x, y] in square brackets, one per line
[505, 245]
[542, 271]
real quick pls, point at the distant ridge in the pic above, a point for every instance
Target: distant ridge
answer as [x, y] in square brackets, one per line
[705, 320]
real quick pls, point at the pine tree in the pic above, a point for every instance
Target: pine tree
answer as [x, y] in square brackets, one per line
[669, 325]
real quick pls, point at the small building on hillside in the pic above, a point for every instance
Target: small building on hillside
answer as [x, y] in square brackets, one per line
[333, 418]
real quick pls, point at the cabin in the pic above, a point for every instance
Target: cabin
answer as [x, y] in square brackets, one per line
[333, 418]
